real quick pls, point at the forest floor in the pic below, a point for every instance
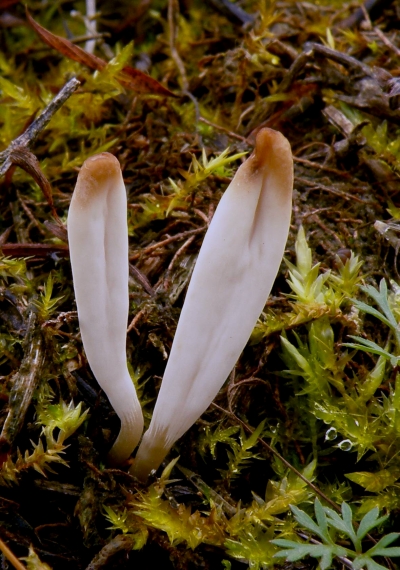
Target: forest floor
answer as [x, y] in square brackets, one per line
[309, 420]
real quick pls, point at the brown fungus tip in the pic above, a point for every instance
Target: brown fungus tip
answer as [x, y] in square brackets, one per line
[100, 166]
[272, 156]
[95, 175]
[271, 144]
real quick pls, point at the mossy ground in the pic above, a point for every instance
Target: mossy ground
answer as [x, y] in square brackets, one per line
[332, 411]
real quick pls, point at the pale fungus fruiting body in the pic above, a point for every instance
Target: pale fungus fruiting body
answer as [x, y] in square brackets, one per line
[235, 270]
[233, 276]
[98, 243]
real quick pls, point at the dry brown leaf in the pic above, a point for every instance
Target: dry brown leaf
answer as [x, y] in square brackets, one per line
[141, 82]
[40, 250]
[129, 77]
[7, 3]
[25, 159]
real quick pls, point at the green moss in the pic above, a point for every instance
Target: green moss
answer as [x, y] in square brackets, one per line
[319, 376]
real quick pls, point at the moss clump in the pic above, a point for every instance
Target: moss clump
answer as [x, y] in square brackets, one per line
[318, 382]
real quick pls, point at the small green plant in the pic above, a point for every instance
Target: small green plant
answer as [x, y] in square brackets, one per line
[329, 523]
[12, 268]
[118, 520]
[245, 532]
[240, 453]
[198, 172]
[210, 439]
[46, 303]
[157, 207]
[385, 315]
[314, 293]
[66, 419]
[33, 561]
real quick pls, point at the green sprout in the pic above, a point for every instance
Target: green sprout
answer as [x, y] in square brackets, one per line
[46, 304]
[66, 418]
[314, 294]
[329, 523]
[385, 315]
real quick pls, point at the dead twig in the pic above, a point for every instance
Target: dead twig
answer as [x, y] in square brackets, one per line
[172, 7]
[19, 154]
[339, 57]
[33, 131]
[372, 7]
[233, 12]
[38, 250]
[141, 278]
[317, 166]
[387, 42]
[24, 384]
[167, 241]
[25, 159]
[120, 542]
[135, 320]
[314, 186]
[297, 66]
[29, 213]
[224, 130]
[180, 251]
[248, 429]
[11, 556]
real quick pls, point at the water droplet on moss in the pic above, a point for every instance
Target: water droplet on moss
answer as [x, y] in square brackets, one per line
[331, 434]
[345, 445]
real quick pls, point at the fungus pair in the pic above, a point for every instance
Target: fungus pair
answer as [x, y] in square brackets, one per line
[236, 267]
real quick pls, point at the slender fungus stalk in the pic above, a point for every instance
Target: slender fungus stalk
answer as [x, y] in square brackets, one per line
[233, 276]
[98, 242]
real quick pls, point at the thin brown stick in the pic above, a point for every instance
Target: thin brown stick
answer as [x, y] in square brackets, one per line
[315, 186]
[202, 216]
[172, 7]
[387, 42]
[115, 545]
[224, 130]
[32, 132]
[316, 490]
[21, 156]
[24, 384]
[29, 213]
[33, 249]
[180, 251]
[247, 428]
[141, 278]
[177, 237]
[86, 37]
[135, 320]
[312, 164]
[11, 557]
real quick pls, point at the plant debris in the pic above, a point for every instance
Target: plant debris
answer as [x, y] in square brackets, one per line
[177, 91]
